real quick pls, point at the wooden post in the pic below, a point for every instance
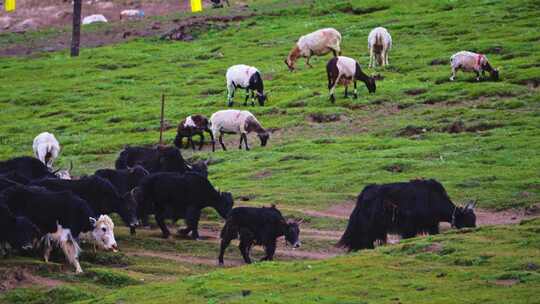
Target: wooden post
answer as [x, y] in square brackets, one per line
[162, 121]
[76, 30]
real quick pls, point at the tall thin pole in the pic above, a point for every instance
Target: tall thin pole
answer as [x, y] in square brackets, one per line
[162, 121]
[76, 31]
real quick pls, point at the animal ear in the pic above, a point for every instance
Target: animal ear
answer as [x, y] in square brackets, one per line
[93, 221]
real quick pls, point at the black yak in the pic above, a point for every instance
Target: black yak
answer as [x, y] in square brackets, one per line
[259, 226]
[405, 209]
[173, 196]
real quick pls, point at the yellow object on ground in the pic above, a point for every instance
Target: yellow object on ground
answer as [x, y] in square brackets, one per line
[9, 5]
[196, 5]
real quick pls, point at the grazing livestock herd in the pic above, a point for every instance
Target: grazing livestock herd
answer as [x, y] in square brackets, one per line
[41, 207]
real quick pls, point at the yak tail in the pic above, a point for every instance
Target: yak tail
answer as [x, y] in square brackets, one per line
[178, 141]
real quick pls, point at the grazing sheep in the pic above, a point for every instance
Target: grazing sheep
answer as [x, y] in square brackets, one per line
[472, 62]
[245, 77]
[190, 126]
[379, 43]
[234, 122]
[320, 42]
[46, 148]
[93, 19]
[343, 70]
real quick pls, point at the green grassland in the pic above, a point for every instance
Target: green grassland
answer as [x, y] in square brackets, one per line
[110, 97]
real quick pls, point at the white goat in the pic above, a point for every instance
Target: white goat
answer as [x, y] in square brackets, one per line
[472, 62]
[234, 122]
[46, 148]
[245, 77]
[379, 44]
[320, 42]
[102, 236]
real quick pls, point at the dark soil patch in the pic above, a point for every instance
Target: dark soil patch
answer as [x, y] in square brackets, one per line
[21, 277]
[211, 91]
[246, 198]
[262, 174]
[411, 131]
[321, 118]
[402, 106]
[396, 168]
[414, 92]
[483, 126]
[190, 28]
[532, 83]
[439, 62]
[362, 10]
[455, 127]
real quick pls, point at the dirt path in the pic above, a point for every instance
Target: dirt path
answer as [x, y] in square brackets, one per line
[21, 277]
[182, 258]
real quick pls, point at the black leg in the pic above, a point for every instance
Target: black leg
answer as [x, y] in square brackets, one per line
[246, 240]
[192, 221]
[270, 250]
[355, 92]
[335, 53]
[346, 91]
[221, 142]
[224, 244]
[247, 97]
[213, 141]
[241, 139]
[191, 141]
[245, 141]
[161, 223]
[201, 142]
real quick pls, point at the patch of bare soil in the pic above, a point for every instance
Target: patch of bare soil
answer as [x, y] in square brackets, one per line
[411, 131]
[322, 118]
[182, 258]
[17, 277]
[507, 283]
[338, 211]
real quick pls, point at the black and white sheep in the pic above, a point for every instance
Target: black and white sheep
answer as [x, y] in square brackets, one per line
[245, 77]
[343, 70]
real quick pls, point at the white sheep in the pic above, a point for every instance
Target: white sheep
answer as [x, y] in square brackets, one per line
[320, 42]
[46, 148]
[472, 62]
[245, 77]
[93, 19]
[379, 44]
[234, 122]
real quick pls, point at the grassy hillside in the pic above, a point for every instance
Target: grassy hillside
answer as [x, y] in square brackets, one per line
[491, 265]
[110, 97]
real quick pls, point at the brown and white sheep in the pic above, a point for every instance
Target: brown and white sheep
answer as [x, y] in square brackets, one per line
[472, 62]
[319, 43]
[234, 122]
[190, 126]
